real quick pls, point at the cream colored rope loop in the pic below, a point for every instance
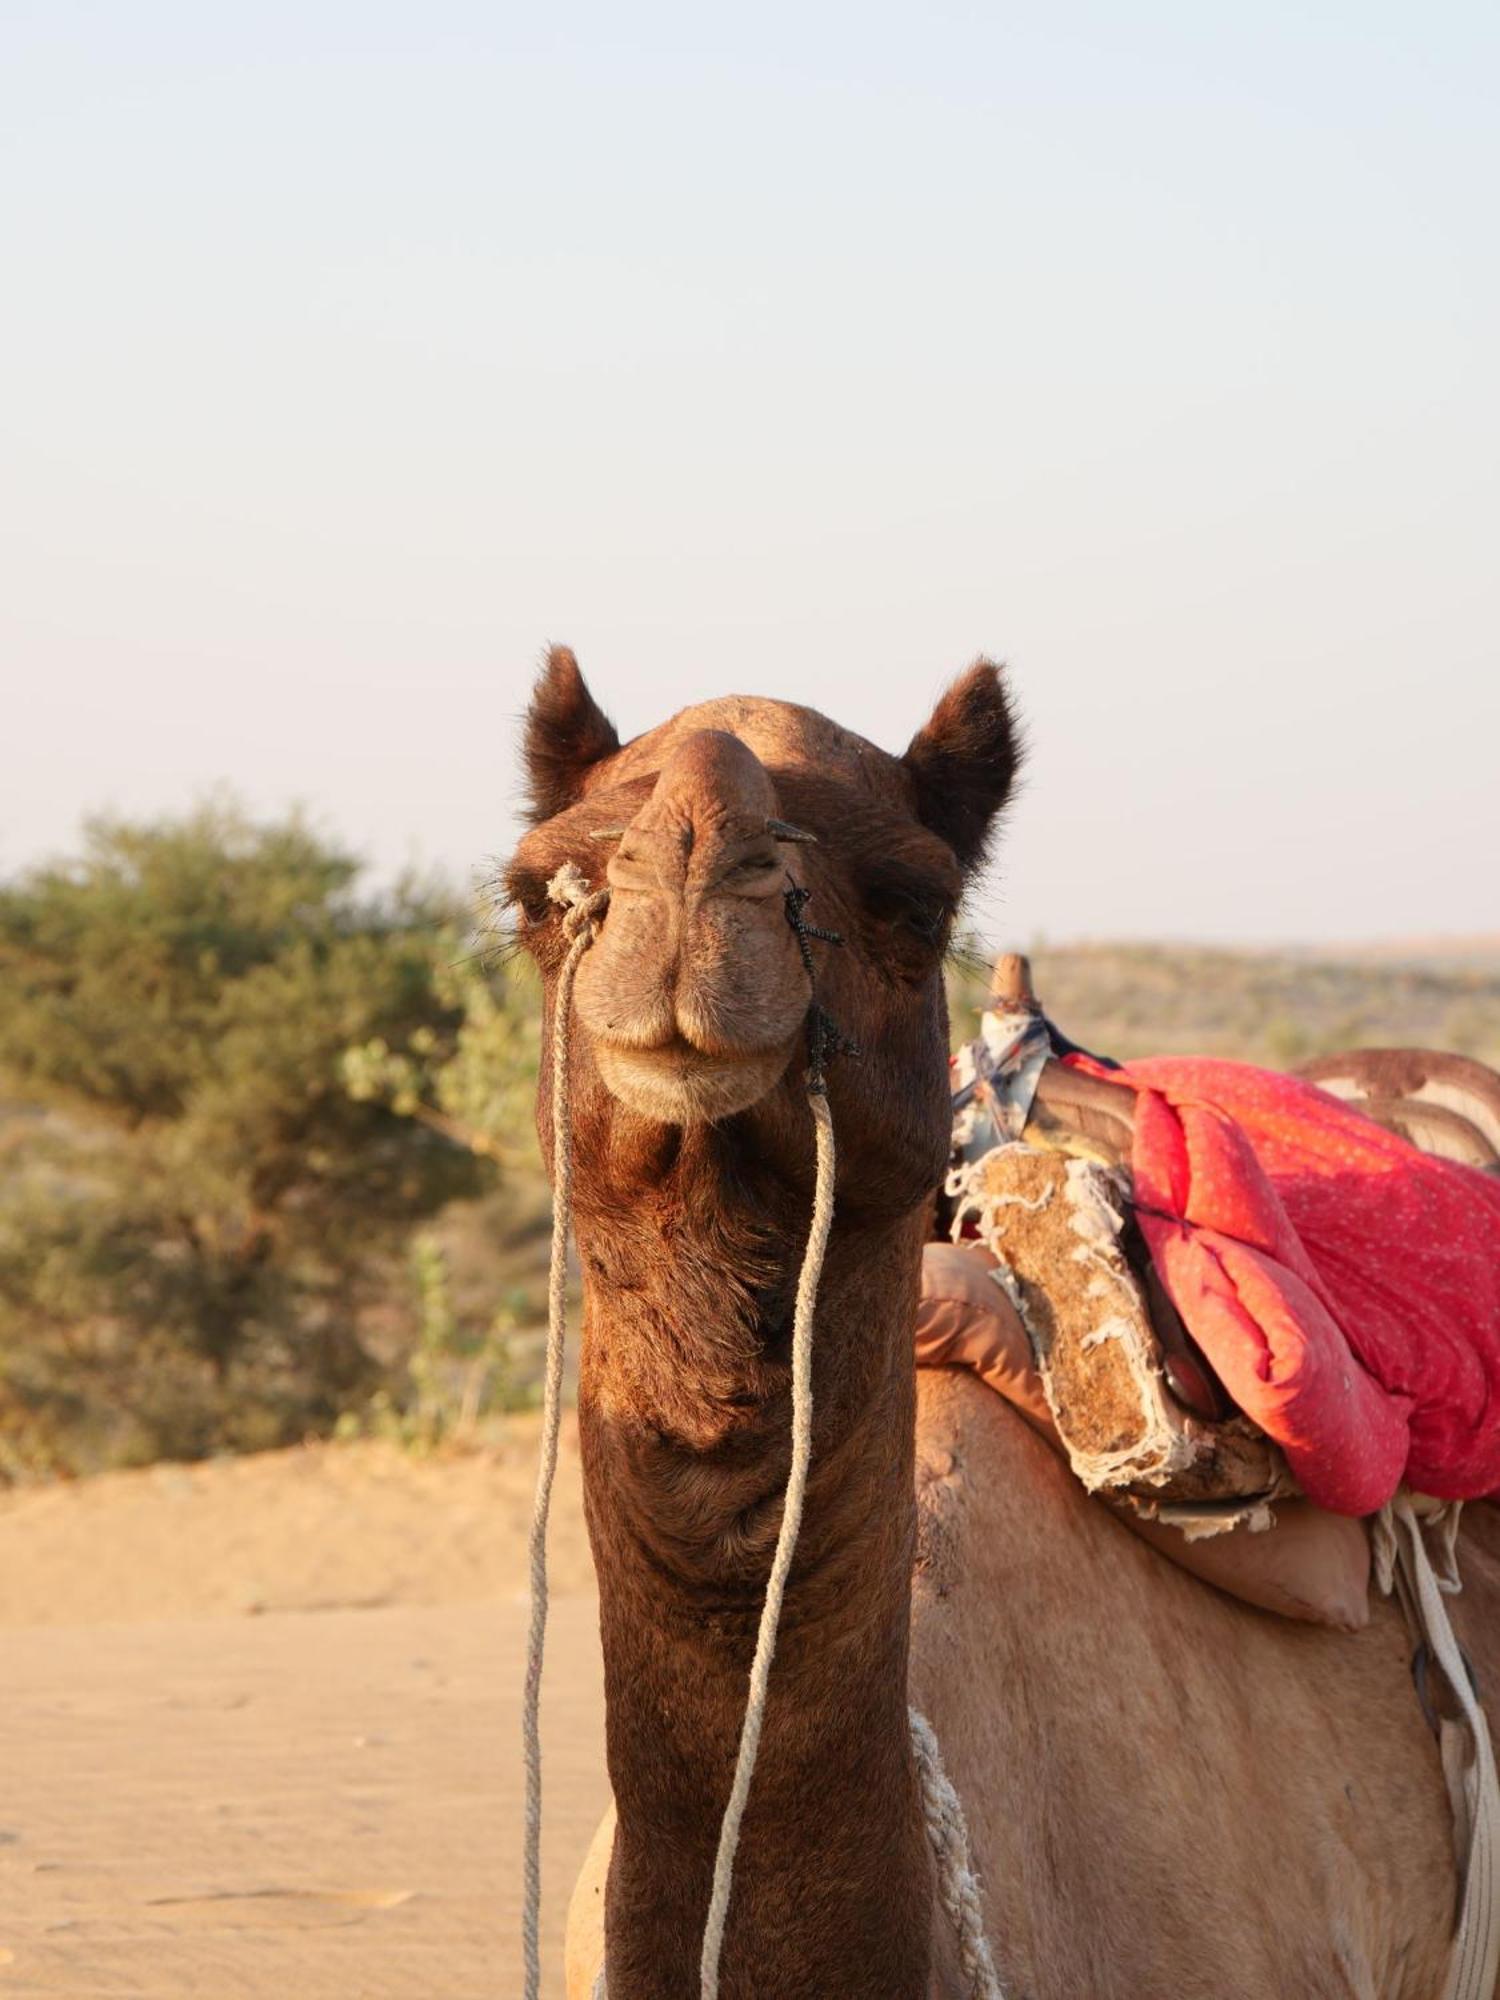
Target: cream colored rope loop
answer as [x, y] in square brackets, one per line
[583, 907]
[786, 1547]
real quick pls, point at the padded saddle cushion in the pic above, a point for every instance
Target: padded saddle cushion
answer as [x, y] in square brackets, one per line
[1307, 1564]
[1344, 1285]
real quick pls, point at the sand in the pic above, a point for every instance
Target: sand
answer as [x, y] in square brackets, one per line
[259, 1728]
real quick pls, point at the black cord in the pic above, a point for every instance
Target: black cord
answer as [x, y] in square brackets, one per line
[825, 1038]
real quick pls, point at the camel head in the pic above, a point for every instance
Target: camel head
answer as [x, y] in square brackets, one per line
[722, 836]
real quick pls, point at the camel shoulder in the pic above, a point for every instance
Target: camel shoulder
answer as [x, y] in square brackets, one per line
[1098, 1709]
[980, 1471]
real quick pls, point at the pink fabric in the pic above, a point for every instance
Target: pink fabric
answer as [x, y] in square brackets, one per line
[1345, 1286]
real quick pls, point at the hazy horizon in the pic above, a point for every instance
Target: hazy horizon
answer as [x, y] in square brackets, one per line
[354, 357]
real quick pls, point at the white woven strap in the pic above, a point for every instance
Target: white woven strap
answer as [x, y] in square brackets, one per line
[1403, 1562]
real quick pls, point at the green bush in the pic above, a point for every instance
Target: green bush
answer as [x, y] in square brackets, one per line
[208, 1173]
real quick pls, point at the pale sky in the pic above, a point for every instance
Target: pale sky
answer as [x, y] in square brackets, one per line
[352, 352]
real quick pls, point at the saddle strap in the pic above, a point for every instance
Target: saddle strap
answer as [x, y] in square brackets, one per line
[1403, 1562]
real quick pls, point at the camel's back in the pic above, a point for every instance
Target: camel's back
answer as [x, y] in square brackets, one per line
[1168, 1790]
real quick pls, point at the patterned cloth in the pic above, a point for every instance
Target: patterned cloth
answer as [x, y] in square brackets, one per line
[1344, 1285]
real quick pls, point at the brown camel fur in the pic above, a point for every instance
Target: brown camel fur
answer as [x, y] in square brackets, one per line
[1169, 1793]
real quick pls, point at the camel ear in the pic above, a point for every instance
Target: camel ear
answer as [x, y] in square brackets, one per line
[964, 760]
[566, 732]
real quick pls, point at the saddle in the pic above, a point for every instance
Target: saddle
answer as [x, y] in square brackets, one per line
[1042, 1179]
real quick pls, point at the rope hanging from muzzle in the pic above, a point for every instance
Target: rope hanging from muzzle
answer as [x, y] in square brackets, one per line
[957, 1885]
[582, 908]
[786, 1542]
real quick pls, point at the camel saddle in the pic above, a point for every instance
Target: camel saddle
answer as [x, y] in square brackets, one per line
[1041, 1178]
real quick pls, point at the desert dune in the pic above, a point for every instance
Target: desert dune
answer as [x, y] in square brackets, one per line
[259, 1724]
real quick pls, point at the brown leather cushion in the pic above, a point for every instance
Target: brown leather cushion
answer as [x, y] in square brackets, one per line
[1310, 1565]
[964, 1320]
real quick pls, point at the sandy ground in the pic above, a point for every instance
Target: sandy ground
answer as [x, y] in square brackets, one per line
[259, 1728]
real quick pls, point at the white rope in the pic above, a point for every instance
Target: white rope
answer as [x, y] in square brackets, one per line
[582, 906]
[957, 1884]
[1402, 1563]
[958, 1887]
[786, 1547]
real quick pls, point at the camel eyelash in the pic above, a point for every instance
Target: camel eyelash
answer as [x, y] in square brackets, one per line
[524, 895]
[899, 896]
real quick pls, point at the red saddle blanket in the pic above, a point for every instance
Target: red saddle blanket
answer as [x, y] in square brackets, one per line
[1345, 1286]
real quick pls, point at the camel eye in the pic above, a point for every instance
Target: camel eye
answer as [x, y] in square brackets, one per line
[908, 903]
[527, 895]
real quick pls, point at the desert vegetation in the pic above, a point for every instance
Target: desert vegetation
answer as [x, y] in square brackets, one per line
[254, 1115]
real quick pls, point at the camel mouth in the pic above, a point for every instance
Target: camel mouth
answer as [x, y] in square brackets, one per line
[679, 1084]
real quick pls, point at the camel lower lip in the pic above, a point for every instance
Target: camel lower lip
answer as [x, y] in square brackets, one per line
[678, 1053]
[679, 1085]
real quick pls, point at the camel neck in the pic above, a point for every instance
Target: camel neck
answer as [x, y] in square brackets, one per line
[685, 1418]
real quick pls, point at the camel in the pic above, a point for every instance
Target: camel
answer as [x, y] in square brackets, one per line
[1168, 1792]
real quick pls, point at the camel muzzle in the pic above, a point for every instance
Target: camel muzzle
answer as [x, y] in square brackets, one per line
[695, 995]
